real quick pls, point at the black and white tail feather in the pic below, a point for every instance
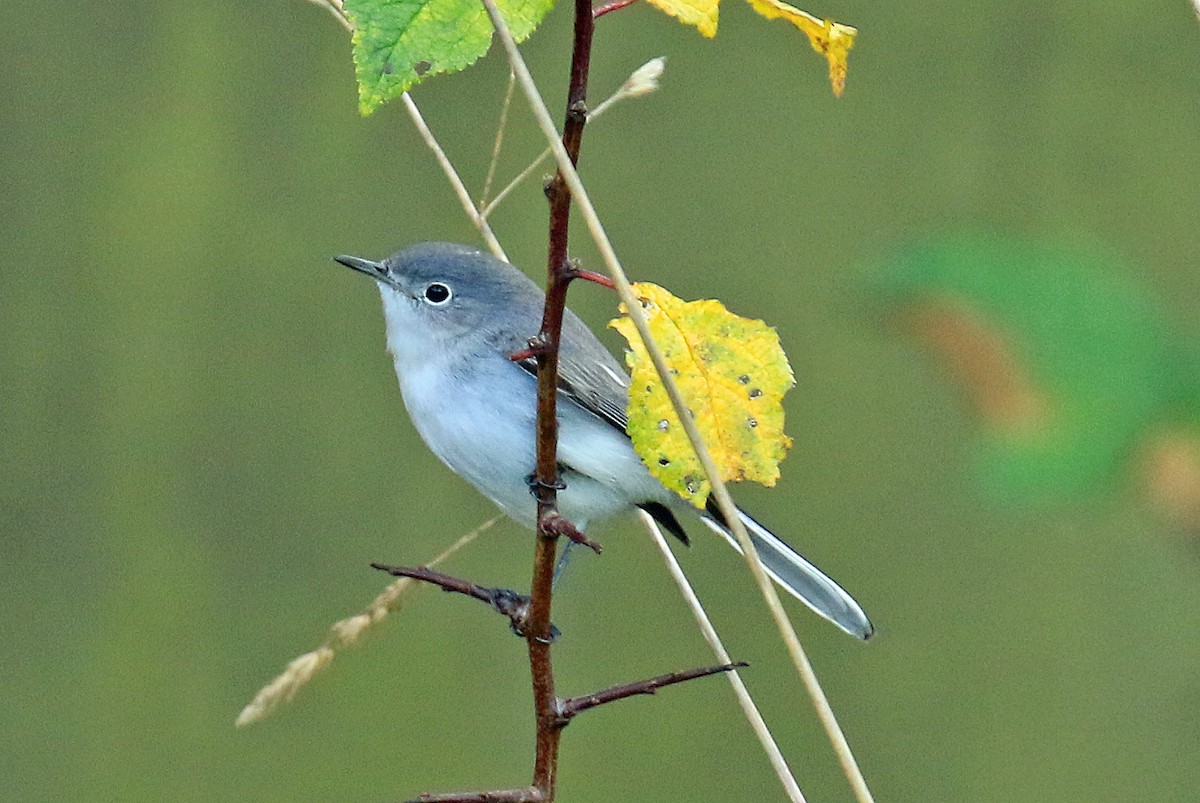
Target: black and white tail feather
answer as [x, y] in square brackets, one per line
[795, 574]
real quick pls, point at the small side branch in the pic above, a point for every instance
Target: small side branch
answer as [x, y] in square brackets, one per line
[574, 271]
[575, 705]
[600, 10]
[554, 524]
[526, 794]
[510, 604]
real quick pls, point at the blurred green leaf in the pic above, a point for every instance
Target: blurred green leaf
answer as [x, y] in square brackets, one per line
[1097, 359]
[397, 43]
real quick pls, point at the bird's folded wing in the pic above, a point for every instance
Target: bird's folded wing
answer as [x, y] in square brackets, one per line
[588, 374]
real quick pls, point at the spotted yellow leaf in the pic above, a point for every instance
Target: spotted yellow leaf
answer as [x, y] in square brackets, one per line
[733, 374]
[831, 39]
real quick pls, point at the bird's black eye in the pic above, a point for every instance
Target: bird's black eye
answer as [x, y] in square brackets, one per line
[437, 293]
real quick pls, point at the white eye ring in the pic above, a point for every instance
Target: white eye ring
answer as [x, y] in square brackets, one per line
[437, 294]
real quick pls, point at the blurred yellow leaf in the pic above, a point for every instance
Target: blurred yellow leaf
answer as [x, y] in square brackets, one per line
[700, 13]
[831, 39]
[733, 374]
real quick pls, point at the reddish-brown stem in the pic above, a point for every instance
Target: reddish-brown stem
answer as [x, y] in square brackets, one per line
[596, 278]
[600, 10]
[537, 634]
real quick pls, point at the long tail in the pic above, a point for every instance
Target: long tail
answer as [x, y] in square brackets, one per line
[795, 574]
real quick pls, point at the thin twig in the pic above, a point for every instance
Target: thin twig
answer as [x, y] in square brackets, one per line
[526, 794]
[606, 8]
[342, 634]
[520, 177]
[567, 170]
[749, 709]
[510, 604]
[334, 7]
[577, 705]
[500, 127]
[644, 80]
[460, 189]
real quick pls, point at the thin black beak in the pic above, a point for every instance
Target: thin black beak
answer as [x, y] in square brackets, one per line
[372, 269]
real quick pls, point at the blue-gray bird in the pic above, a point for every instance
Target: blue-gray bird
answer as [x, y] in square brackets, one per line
[455, 317]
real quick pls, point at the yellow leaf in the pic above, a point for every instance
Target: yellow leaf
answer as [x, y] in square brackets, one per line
[700, 13]
[733, 374]
[831, 39]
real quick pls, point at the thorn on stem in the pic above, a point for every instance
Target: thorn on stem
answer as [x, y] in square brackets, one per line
[573, 269]
[536, 346]
[600, 11]
[554, 525]
[591, 276]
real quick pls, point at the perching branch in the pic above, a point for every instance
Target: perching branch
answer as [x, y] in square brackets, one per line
[546, 481]
[567, 172]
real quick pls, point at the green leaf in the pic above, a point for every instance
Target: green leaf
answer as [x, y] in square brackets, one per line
[397, 43]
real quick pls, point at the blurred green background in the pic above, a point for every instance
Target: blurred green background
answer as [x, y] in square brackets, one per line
[203, 446]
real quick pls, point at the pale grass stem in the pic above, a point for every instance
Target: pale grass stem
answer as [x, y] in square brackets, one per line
[757, 724]
[334, 7]
[643, 81]
[460, 189]
[500, 128]
[342, 634]
[725, 502]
